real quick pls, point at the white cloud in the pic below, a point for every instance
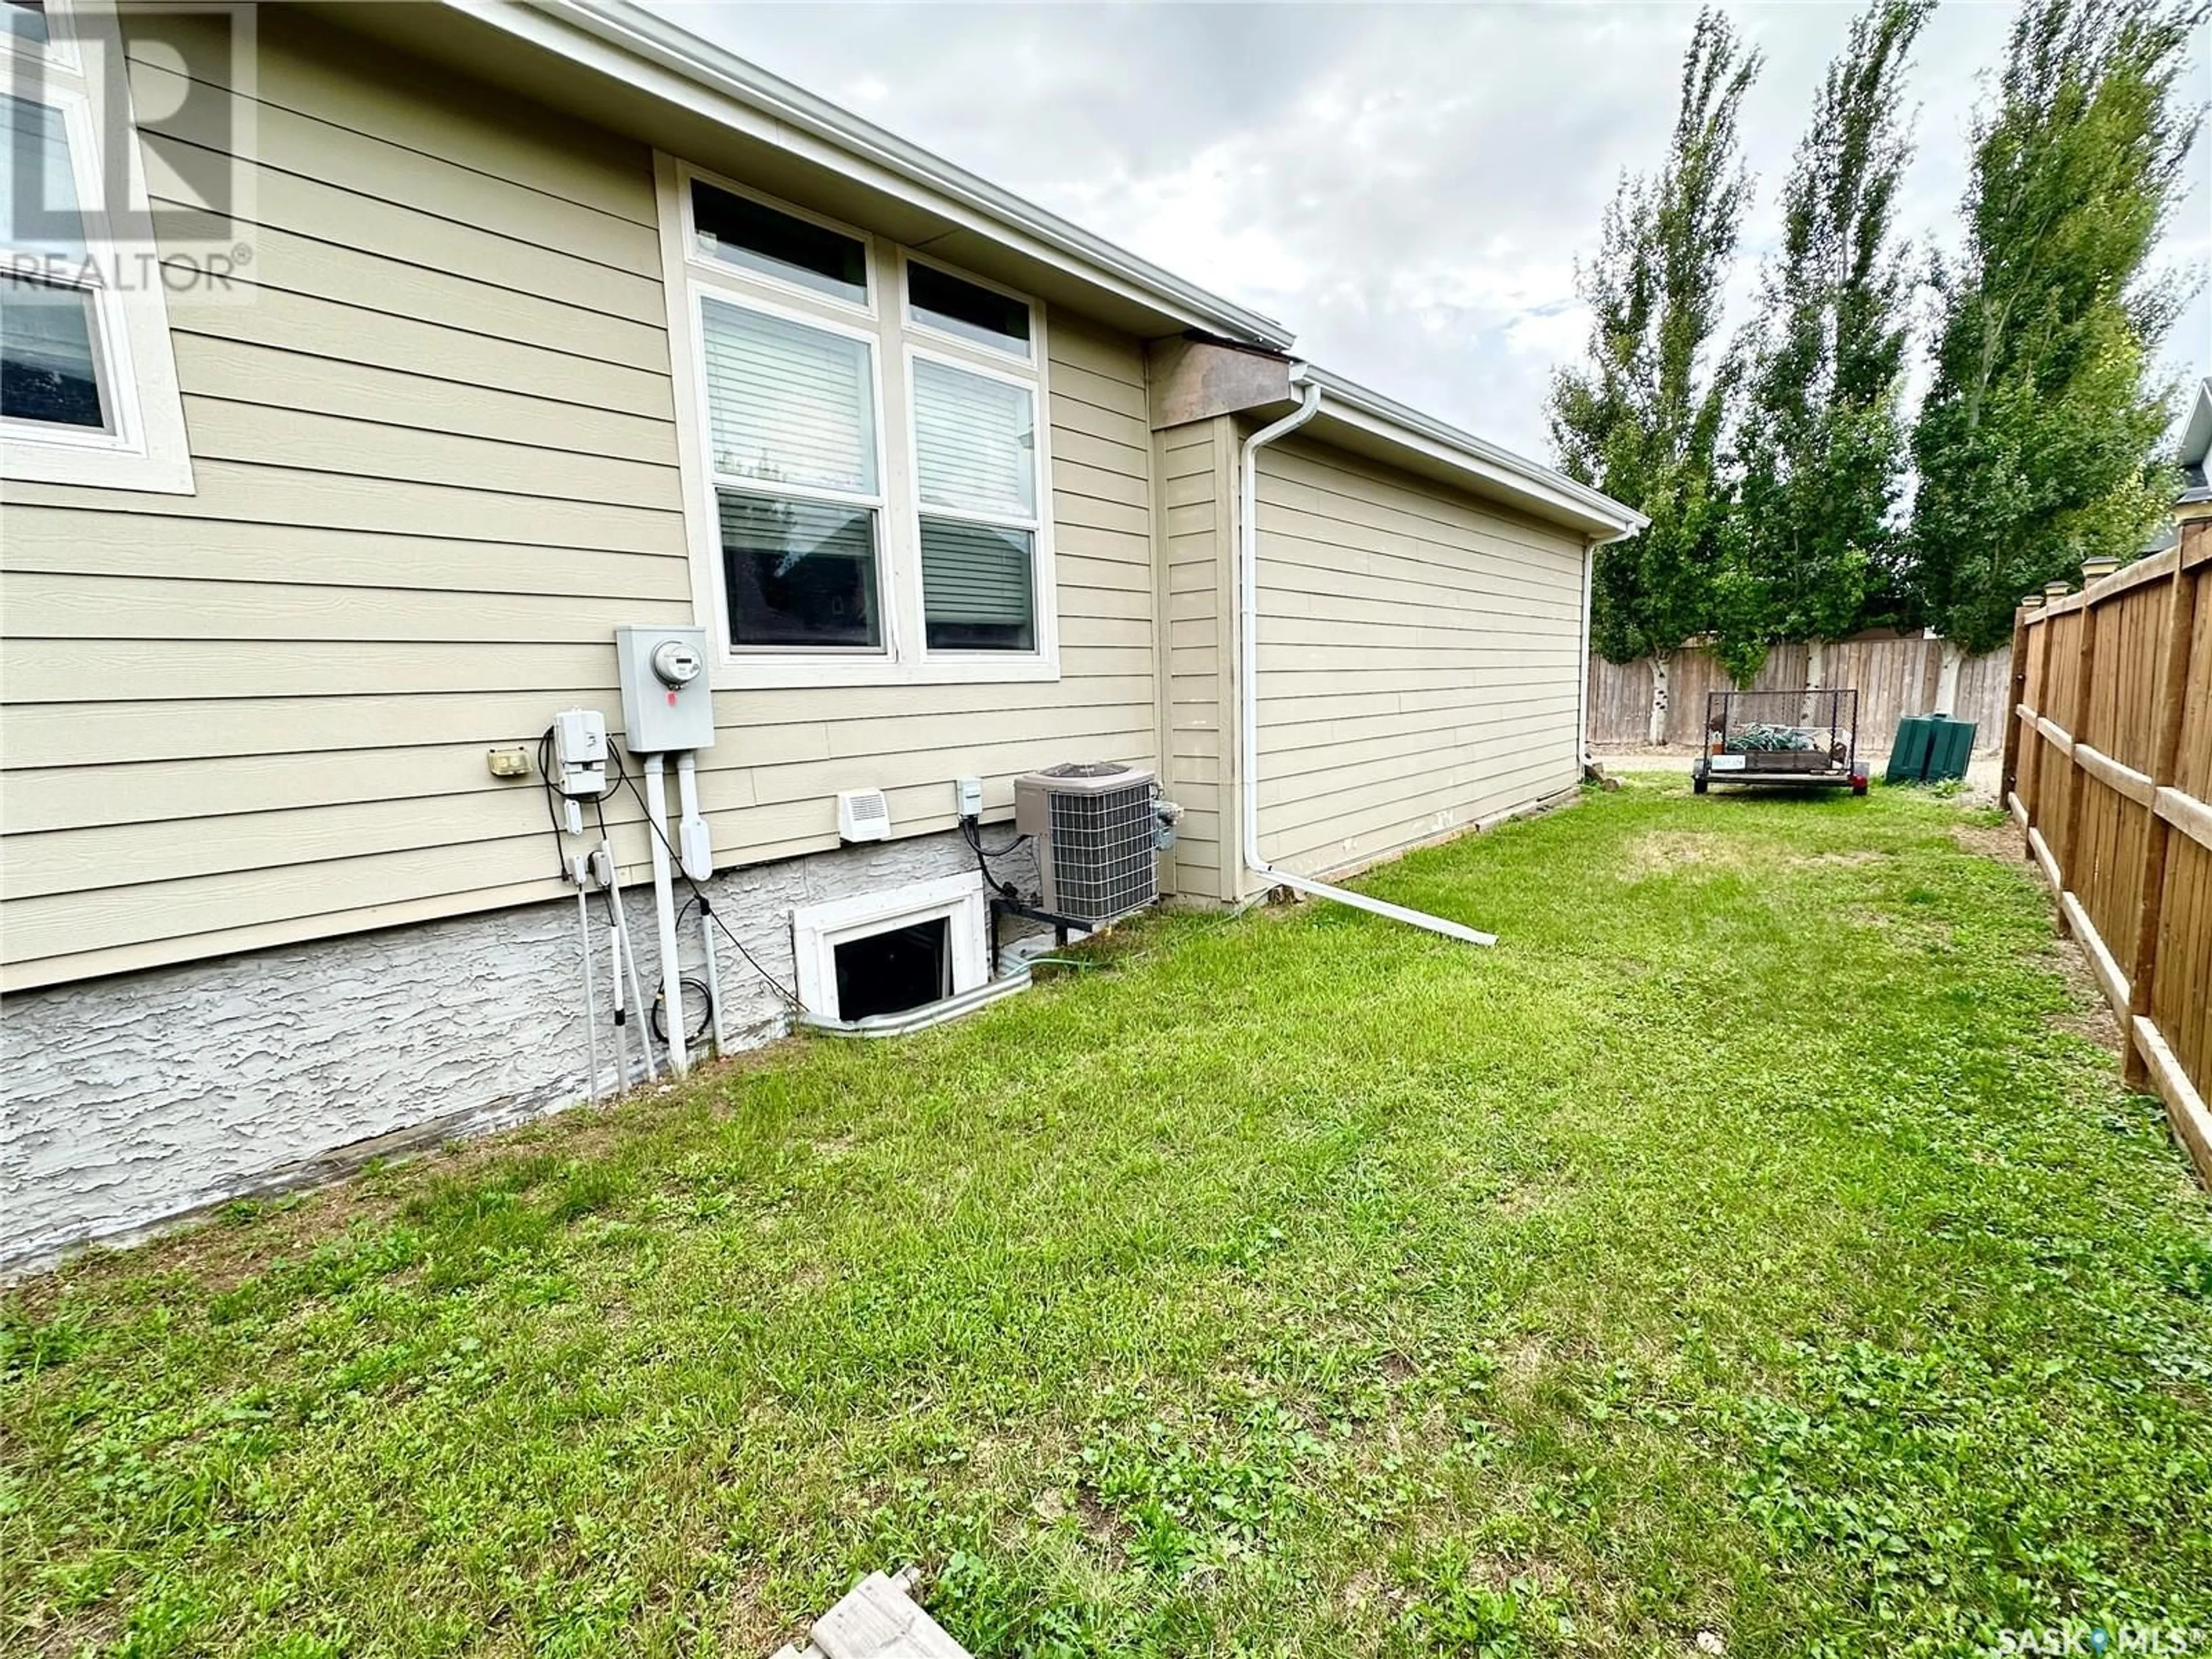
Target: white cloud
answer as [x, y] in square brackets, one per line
[1406, 187]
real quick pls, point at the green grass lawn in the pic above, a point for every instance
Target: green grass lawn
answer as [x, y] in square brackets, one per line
[1755, 1242]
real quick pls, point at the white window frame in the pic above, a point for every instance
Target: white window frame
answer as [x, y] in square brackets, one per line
[817, 930]
[1033, 362]
[1041, 492]
[871, 264]
[703, 290]
[60, 50]
[905, 658]
[143, 445]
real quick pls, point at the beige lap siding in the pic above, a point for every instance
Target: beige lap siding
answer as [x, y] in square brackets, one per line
[1419, 655]
[1199, 602]
[435, 466]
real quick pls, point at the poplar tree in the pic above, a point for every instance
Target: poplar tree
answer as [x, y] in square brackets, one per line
[1823, 440]
[2038, 446]
[1641, 418]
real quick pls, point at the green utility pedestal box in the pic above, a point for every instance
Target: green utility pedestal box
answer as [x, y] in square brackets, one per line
[1928, 749]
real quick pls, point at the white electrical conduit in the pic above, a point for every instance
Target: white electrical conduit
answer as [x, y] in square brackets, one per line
[621, 1013]
[698, 865]
[627, 960]
[1248, 691]
[591, 997]
[664, 905]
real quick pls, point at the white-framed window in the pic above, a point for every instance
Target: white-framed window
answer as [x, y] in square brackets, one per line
[966, 310]
[935, 930]
[866, 449]
[89, 391]
[794, 446]
[978, 509]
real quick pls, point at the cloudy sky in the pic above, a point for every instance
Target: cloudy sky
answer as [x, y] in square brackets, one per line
[1406, 186]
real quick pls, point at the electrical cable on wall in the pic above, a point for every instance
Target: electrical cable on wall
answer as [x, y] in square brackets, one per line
[971, 832]
[658, 1015]
[698, 894]
[552, 812]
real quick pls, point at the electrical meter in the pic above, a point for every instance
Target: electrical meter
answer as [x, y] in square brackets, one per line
[677, 664]
[667, 703]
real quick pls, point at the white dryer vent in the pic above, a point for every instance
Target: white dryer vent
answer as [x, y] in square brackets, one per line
[863, 815]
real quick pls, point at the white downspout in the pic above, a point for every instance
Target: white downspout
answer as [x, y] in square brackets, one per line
[1583, 758]
[1248, 688]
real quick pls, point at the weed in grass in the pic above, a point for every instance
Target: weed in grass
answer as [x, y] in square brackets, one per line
[1737, 1247]
[1452, 1610]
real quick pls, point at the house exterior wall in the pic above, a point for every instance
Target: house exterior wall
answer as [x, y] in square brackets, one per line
[267, 910]
[437, 465]
[1420, 659]
[1197, 472]
[139, 1097]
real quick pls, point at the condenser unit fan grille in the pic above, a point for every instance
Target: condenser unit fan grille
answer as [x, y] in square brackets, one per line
[1097, 855]
[1103, 859]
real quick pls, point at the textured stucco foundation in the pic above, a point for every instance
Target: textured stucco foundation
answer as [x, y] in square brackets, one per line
[134, 1099]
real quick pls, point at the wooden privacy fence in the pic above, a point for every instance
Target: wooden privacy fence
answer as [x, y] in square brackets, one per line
[1894, 678]
[2108, 767]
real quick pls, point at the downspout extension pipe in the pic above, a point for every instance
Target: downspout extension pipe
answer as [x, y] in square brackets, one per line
[1248, 691]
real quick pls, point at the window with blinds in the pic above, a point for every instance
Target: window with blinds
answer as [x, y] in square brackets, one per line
[791, 421]
[976, 478]
[873, 431]
[788, 403]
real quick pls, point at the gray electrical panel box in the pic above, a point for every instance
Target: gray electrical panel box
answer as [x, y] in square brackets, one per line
[667, 703]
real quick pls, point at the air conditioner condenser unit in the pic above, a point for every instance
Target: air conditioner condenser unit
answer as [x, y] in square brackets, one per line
[1096, 832]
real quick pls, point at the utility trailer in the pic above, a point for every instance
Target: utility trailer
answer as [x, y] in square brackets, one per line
[1808, 739]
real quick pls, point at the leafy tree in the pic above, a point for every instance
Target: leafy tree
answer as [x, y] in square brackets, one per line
[1641, 420]
[2036, 446]
[1823, 441]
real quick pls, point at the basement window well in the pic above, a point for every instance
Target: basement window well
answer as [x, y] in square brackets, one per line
[892, 951]
[896, 970]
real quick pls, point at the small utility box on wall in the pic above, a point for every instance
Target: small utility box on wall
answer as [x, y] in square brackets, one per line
[668, 704]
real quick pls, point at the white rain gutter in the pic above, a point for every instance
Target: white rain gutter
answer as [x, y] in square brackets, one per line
[1248, 687]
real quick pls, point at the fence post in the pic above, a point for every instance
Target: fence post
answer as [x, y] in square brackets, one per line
[2077, 727]
[2009, 776]
[2165, 765]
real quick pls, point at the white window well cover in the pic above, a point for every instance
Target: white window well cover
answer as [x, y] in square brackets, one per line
[789, 403]
[975, 440]
[817, 930]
